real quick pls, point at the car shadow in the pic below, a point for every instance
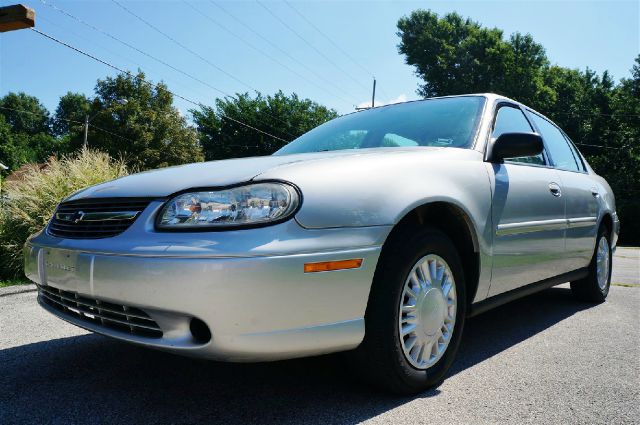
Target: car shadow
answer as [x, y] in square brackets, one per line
[93, 379]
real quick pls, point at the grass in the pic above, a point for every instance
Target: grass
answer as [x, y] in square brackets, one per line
[13, 282]
[626, 285]
[33, 198]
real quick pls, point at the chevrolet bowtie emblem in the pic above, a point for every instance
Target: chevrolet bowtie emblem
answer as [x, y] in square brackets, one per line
[77, 217]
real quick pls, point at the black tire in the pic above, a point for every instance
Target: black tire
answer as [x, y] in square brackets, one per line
[380, 358]
[587, 289]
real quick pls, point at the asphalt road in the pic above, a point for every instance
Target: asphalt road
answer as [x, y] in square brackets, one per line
[626, 267]
[543, 359]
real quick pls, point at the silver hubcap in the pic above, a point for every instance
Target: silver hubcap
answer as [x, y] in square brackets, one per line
[427, 311]
[603, 263]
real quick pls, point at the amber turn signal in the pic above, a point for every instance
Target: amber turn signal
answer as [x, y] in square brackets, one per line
[327, 266]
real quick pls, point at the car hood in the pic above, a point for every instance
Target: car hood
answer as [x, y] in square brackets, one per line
[166, 181]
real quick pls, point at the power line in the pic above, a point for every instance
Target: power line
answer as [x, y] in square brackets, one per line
[309, 44]
[262, 52]
[198, 104]
[336, 45]
[124, 43]
[184, 47]
[185, 73]
[275, 46]
[67, 120]
[601, 147]
[601, 114]
[77, 35]
[150, 25]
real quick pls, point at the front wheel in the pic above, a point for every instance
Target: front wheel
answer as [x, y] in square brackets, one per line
[595, 287]
[416, 313]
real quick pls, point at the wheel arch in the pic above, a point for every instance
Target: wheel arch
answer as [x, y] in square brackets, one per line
[607, 220]
[454, 222]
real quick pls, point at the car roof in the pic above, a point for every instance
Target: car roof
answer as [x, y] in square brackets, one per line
[492, 97]
[489, 96]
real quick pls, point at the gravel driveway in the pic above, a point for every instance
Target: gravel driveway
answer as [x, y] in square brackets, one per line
[543, 359]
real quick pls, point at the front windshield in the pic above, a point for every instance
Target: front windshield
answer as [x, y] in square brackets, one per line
[449, 122]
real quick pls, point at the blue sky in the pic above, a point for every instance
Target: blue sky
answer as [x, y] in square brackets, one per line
[602, 35]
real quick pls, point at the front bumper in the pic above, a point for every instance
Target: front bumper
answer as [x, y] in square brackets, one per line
[255, 298]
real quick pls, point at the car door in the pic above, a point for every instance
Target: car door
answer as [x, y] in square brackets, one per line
[528, 212]
[580, 193]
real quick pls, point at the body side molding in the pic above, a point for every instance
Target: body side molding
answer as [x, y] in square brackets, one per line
[542, 225]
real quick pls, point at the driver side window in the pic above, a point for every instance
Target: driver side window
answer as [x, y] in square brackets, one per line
[511, 120]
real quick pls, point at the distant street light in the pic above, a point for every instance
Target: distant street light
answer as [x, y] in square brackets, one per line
[87, 119]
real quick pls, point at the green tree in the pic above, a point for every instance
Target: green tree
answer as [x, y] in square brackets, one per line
[137, 120]
[24, 113]
[285, 117]
[25, 131]
[526, 67]
[620, 163]
[70, 113]
[14, 149]
[453, 55]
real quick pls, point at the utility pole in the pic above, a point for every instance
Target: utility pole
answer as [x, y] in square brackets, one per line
[16, 17]
[373, 96]
[86, 131]
[88, 119]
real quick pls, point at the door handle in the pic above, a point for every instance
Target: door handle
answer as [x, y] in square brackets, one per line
[554, 188]
[595, 192]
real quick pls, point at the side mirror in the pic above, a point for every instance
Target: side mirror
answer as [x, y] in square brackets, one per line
[514, 145]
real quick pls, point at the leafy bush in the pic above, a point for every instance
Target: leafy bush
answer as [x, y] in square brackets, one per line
[31, 199]
[628, 212]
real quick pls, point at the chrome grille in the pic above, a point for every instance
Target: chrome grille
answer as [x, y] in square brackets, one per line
[109, 315]
[95, 218]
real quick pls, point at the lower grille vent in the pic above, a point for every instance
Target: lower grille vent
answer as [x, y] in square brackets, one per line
[113, 316]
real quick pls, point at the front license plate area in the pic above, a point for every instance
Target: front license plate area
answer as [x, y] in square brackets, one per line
[61, 269]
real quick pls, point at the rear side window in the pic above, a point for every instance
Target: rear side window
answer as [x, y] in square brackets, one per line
[511, 120]
[576, 154]
[557, 146]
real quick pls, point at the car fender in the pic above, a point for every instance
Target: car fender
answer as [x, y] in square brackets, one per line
[381, 190]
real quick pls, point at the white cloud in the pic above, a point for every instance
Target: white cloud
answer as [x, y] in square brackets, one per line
[400, 98]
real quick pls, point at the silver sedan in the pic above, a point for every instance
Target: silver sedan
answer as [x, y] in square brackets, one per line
[377, 233]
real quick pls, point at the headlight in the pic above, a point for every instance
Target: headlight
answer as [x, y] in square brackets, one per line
[248, 205]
